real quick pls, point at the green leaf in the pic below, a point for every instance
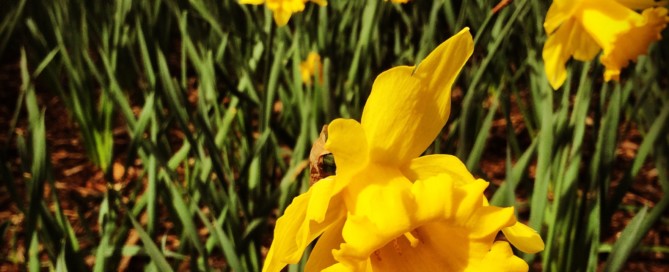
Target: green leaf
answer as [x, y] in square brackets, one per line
[150, 247]
[626, 243]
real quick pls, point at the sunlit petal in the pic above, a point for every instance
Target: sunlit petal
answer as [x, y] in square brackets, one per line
[555, 55]
[283, 9]
[282, 16]
[320, 2]
[321, 256]
[378, 209]
[442, 247]
[436, 195]
[296, 230]
[348, 144]
[524, 238]
[432, 165]
[581, 45]
[408, 107]
[500, 258]
[559, 12]
[641, 4]
[321, 195]
[489, 220]
[252, 2]
[471, 197]
[569, 40]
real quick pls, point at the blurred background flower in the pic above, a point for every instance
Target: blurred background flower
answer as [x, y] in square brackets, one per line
[580, 29]
[283, 9]
[312, 67]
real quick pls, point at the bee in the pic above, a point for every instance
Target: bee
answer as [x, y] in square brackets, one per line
[321, 161]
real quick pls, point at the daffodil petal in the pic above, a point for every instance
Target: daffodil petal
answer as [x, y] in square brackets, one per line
[500, 258]
[296, 230]
[471, 197]
[432, 165]
[339, 267]
[634, 42]
[622, 33]
[556, 54]
[524, 238]
[554, 18]
[408, 107]
[378, 209]
[285, 251]
[581, 28]
[252, 2]
[641, 4]
[442, 197]
[418, 230]
[348, 144]
[581, 45]
[436, 250]
[311, 67]
[559, 12]
[321, 194]
[489, 220]
[570, 40]
[436, 197]
[283, 9]
[321, 3]
[281, 17]
[321, 256]
[442, 66]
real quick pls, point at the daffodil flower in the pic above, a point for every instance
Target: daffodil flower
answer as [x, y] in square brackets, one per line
[580, 28]
[386, 208]
[283, 9]
[312, 67]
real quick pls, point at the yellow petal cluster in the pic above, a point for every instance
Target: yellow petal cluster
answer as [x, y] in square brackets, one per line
[312, 67]
[581, 28]
[390, 209]
[283, 9]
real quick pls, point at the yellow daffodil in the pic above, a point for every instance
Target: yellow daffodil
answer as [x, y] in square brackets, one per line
[386, 208]
[283, 9]
[580, 28]
[312, 67]
[399, 1]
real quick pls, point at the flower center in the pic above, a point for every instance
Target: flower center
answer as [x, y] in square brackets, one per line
[396, 244]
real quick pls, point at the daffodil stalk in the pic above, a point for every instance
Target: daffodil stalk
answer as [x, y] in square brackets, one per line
[389, 209]
[581, 28]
